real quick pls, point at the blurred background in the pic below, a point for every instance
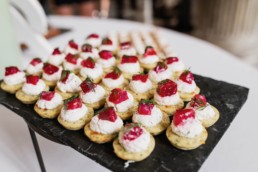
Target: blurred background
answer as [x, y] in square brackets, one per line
[231, 24]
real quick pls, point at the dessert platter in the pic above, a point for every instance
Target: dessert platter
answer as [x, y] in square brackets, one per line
[125, 98]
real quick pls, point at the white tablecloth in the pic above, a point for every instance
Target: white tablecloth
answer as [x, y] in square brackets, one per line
[236, 151]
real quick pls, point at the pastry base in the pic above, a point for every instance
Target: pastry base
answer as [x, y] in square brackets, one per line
[107, 70]
[209, 122]
[148, 67]
[63, 94]
[98, 137]
[188, 96]
[11, 88]
[76, 71]
[98, 104]
[160, 127]
[48, 113]
[138, 96]
[28, 99]
[129, 113]
[185, 143]
[50, 83]
[77, 125]
[139, 156]
[38, 74]
[171, 109]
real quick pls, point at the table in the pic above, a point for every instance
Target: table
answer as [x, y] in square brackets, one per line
[237, 150]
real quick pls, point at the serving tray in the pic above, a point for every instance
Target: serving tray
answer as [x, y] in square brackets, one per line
[228, 99]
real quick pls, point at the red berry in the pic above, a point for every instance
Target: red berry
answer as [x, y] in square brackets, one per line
[181, 115]
[115, 74]
[56, 51]
[105, 54]
[171, 60]
[64, 76]
[187, 77]
[88, 63]
[31, 79]
[134, 132]
[198, 101]
[35, 61]
[11, 70]
[125, 45]
[50, 69]
[71, 59]
[93, 35]
[160, 67]
[86, 48]
[140, 77]
[129, 59]
[73, 45]
[117, 96]
[47, 95]
[166, 88]
[74, 104]
[149, 51]
[108, 114]
[87, 86]
[106, 41]
[145, 107]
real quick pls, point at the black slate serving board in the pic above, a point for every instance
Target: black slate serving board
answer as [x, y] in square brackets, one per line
[228, 98]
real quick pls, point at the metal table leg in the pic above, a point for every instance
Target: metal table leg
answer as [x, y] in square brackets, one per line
[37, 149]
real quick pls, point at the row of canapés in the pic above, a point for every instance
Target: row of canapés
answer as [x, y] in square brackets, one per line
[122, 95]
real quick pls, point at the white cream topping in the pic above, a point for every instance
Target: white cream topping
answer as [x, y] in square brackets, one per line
[56, 59]
[148, 120]
[95, 42]
[107, 47]
[107, 63]
[129, 52]
[68, 49]
[206, 113]
[93, 96]
[72, 84]
[149, 59]
[31, 89]
[70, 66]
[34, 69]
[167, 100]
[185, 87]
[54, 77]
[123, 106]
[94, 54]
[53, 103]
[140, 87]
[74, 115]
[176, 66]
[131, 68]
[105, 126]
[139, 144]
[112, 83]
[14, 79]
[157, 77]
[203, 113]
[94, 73]
[190, 128]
